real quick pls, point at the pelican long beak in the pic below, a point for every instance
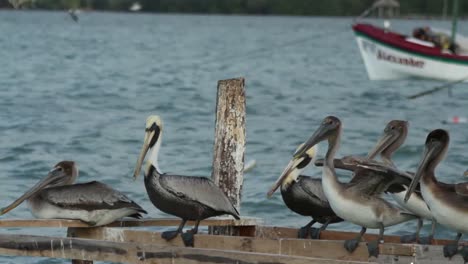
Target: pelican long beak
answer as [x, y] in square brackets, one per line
[427, 158]
[292, 166]
[144, 150]
[319, 135]
[53, 177]
[386, 140]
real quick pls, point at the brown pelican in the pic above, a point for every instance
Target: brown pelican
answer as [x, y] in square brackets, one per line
[448, 202]
[190, 198]
[393, 137]
[304, 195]
[358, 201]
[94, 203]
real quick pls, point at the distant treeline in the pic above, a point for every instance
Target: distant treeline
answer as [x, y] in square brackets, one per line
[282, 7]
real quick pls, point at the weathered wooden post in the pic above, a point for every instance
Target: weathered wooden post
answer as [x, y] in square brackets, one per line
[229, 145]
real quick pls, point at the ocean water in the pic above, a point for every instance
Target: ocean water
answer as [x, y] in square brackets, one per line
[82, 91]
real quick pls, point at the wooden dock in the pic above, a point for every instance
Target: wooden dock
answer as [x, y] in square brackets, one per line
[245, 241]
[252, 243]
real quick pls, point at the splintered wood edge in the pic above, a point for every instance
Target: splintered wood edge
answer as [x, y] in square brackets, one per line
[61, 223]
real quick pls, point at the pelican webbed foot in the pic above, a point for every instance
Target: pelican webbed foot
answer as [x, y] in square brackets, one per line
[188, 237]
[426, 240]
[315, 232]
[351, 244]
[169, 235]
[451, 249]
[407, 239]
[464, 253]
[304, 231]
[373, 248]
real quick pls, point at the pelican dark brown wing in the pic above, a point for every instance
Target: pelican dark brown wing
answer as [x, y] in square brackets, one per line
[305, 196]
[313, 187]
[200, 190]
[379, 177]
[88, 196]
[376, 182]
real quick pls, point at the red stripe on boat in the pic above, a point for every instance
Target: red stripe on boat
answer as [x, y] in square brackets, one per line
[399, 41]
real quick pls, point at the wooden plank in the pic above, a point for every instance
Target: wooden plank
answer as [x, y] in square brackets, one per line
[70, 233]
[329, 249]
[274, 232]
[229, 145]
[127, 223]
[88, 249]
[246, 244]
[434, 255]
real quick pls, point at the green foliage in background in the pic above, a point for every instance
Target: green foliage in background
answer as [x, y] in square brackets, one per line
[282, 7]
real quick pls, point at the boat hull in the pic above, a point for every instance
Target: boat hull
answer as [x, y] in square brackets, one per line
[384, 61]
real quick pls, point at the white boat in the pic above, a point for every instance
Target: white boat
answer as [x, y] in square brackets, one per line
[135, 7]
[389, 55]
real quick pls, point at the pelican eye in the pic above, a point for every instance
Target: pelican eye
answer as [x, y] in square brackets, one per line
[60, 169]
[328, 122]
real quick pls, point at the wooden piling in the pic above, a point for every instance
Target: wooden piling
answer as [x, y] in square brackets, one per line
[229, 145]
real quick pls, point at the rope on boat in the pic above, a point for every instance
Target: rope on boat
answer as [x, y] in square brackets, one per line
[437, 88]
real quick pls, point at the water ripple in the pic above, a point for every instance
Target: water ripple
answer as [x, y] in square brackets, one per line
[83, 92]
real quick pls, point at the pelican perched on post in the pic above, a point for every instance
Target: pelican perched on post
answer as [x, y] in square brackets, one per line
[358, 201]
[190, 198]
[93, 203]
[304, 195]
[448, 202]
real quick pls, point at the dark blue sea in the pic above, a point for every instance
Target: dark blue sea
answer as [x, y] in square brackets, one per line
[82, 91]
